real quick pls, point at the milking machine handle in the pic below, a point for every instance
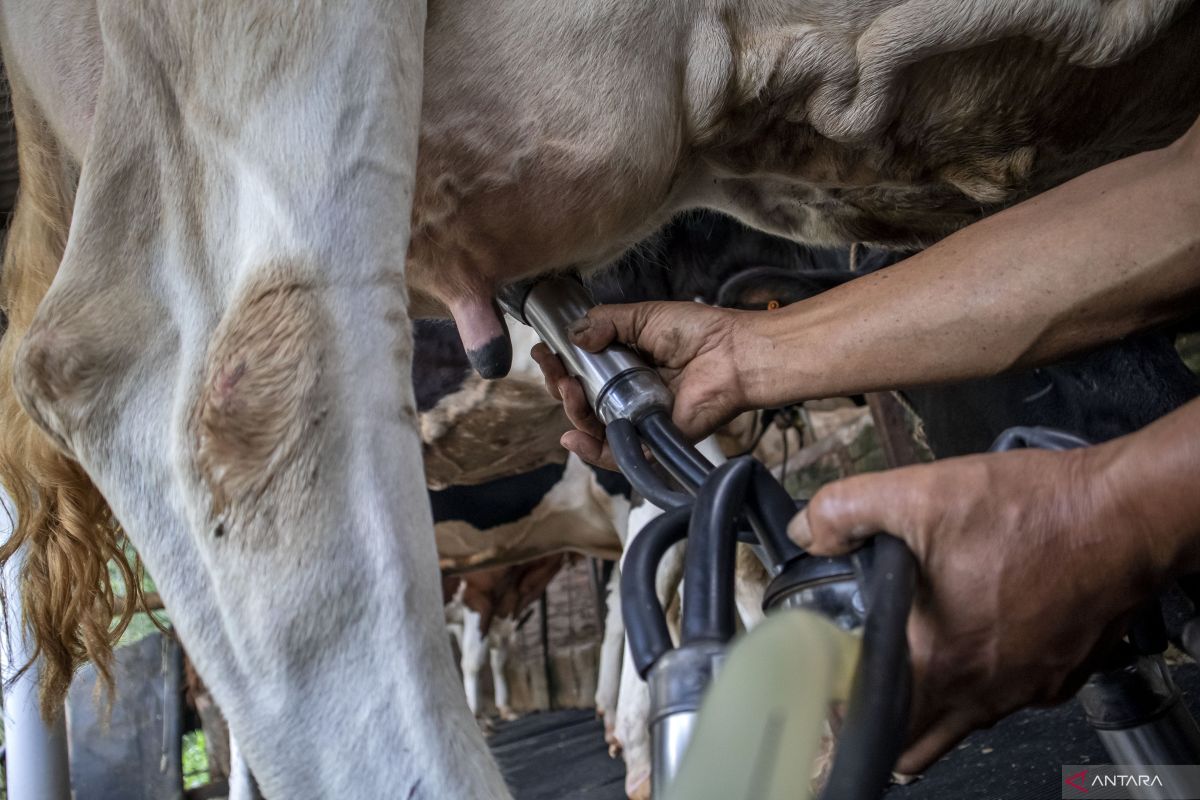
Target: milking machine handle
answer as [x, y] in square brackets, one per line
[875, 728]
[631, 399]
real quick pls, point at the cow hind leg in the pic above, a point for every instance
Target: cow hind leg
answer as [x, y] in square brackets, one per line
[61, 521]
[631, 731]
[499, 642]
[231, 368]
[612, 651]
[474, 653]
[242, 785]
[632, 728]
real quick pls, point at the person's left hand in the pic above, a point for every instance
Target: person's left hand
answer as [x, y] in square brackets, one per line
[1030, 563]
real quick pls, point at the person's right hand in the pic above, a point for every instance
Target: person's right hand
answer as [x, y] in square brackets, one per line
[693, 346]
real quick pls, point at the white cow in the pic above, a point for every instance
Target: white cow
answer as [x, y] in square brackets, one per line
[225, 350]
[206, 276]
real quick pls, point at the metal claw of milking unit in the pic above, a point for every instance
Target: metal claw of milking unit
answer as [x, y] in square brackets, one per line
[737, 501]
[1132, 702]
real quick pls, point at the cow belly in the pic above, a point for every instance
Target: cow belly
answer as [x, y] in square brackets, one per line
[489, 430]
[553, 526]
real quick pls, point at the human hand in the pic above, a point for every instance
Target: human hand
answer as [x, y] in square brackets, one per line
[1030, 564]
[694, 347]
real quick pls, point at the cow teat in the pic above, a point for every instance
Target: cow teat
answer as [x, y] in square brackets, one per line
[484, 336]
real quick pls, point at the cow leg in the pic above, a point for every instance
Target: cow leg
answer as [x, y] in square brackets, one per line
[632, 731]
[500, 640]
[750, 581]
[474, 654]
[612, 651]
[225, 349]
[242, 785]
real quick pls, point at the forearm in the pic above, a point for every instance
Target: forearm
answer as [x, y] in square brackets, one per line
[1149, 483]
[1112, 252]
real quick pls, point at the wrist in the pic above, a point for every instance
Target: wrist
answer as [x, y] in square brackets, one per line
[752, 349]
[770, 357]
[1132, 495]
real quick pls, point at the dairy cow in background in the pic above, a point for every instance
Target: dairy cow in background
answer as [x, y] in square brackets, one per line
[502, 489]
[484, 610]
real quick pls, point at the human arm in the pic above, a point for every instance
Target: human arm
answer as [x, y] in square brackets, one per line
[1111, 252]
[1030, 563]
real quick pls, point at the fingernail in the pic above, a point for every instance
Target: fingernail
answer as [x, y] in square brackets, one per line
[579, 326]
[798, 530]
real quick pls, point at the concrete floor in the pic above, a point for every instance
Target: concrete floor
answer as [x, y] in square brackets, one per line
[562, 756]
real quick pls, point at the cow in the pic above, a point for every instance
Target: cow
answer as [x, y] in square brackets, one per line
[210, 276]
[483, 614]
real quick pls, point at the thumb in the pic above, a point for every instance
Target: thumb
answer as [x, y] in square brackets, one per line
[604, 324]
[844, 514]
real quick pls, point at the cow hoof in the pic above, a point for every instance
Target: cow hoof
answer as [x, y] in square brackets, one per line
[637, 787]
[615, 745]
[508, 715]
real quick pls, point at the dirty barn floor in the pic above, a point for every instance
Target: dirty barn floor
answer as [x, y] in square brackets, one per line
[561, 755]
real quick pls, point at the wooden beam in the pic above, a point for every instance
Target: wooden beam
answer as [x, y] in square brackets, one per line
[153, 603]
[891, 422]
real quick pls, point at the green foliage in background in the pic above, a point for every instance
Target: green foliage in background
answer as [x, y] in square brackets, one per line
[195, 760]
[142, 624]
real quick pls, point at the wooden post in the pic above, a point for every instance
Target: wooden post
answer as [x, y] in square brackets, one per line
[599, 590]
[899, 450]
[546, 666]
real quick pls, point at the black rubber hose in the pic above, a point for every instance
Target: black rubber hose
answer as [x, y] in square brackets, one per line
[876, 725]
[687, 464]
[627, 452]
[708, 607]
[770, 509]
[645, 622]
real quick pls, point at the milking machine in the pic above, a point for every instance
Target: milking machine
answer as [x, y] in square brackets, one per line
[737, 501]
[740, 501]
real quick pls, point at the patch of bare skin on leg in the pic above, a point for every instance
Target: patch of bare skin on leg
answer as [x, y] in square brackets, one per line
[258, 424]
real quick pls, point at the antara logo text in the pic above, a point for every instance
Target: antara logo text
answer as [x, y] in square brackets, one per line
[1079, 781]
[1126, 780]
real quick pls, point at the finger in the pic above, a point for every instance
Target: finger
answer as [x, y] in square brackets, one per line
[589, 448]
[844, 514]
[579, 411]
[933, 744]
[604, 324]
[551, 366]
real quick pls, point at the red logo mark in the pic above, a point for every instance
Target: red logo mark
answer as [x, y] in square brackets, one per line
[1080, 776]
